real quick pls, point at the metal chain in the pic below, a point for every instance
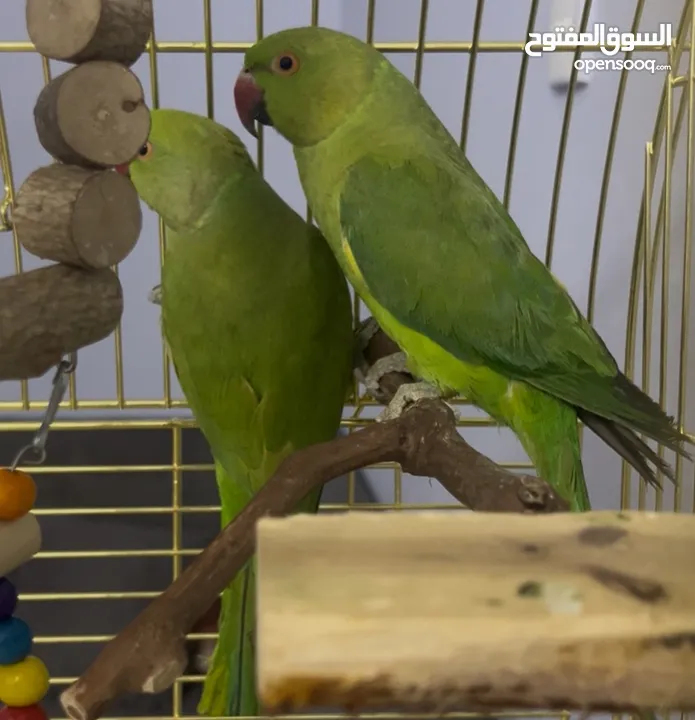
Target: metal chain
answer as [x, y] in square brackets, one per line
[35, 452]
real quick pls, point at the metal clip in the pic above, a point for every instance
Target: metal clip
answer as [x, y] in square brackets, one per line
[5, 173]
[35, 452]
[5, 208]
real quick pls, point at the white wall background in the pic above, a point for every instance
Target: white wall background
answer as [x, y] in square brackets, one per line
[182, 85]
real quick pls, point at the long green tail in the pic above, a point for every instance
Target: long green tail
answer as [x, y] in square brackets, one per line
[230, 685]
[560, 464]
[549, 432]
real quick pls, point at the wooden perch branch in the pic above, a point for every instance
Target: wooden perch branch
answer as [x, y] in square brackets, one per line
[89, 218]
[479, 612]
[93, 115]
[49, 312]
[76, 31]
[148, 655]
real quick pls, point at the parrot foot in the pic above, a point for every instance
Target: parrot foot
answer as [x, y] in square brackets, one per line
[155, 295]
[365, 332]
[407, 395]
[383, 366]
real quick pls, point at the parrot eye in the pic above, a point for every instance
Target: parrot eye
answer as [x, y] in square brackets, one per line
[285, 64]
[145, 151]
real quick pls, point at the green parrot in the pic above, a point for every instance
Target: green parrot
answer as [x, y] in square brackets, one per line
[438, 260]
[257, 316]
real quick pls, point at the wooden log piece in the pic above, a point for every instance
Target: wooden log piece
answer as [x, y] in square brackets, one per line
[440, 611]
[89, 218]
[93, 115]
[52, 311]
[20, 540]
[77, 31]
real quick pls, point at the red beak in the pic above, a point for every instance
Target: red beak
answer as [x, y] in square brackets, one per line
[123, 169]
[249, 101]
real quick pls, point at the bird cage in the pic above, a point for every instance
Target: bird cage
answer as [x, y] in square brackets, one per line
[595, 163]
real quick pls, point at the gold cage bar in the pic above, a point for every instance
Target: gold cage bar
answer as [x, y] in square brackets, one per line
[675, 123]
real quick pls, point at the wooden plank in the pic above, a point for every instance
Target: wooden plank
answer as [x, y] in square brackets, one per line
[454, 611]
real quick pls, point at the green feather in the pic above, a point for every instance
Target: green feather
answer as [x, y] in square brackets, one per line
[493, 304]
[229, 688]
[441, 264]
[257, 317]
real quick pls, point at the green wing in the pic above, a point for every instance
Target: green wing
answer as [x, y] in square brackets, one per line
[439, 251]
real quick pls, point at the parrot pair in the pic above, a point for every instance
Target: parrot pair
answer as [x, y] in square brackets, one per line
[438, 260]
[257, 317]
[256, 311]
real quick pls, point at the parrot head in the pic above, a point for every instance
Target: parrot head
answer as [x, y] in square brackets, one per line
[304, 82]
[184, 163]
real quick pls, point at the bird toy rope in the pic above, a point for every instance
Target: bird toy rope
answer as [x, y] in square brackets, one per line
[24, 679]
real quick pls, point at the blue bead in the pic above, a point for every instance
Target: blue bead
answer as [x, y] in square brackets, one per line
[15, 641]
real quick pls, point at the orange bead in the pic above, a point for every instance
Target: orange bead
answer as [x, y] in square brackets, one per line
[17, 494]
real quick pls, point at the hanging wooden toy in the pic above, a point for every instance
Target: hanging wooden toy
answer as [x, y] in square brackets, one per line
[85, 219]
[77, 213]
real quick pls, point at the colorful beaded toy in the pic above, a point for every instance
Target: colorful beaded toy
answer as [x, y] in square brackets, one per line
[24, 678]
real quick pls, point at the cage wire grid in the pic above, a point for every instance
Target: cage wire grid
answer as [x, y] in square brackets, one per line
[674, 124]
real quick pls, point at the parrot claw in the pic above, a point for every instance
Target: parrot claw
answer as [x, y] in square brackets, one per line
[155, 295]
[407, 395]
[203, 657]
[383, 366]
[366, 331]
